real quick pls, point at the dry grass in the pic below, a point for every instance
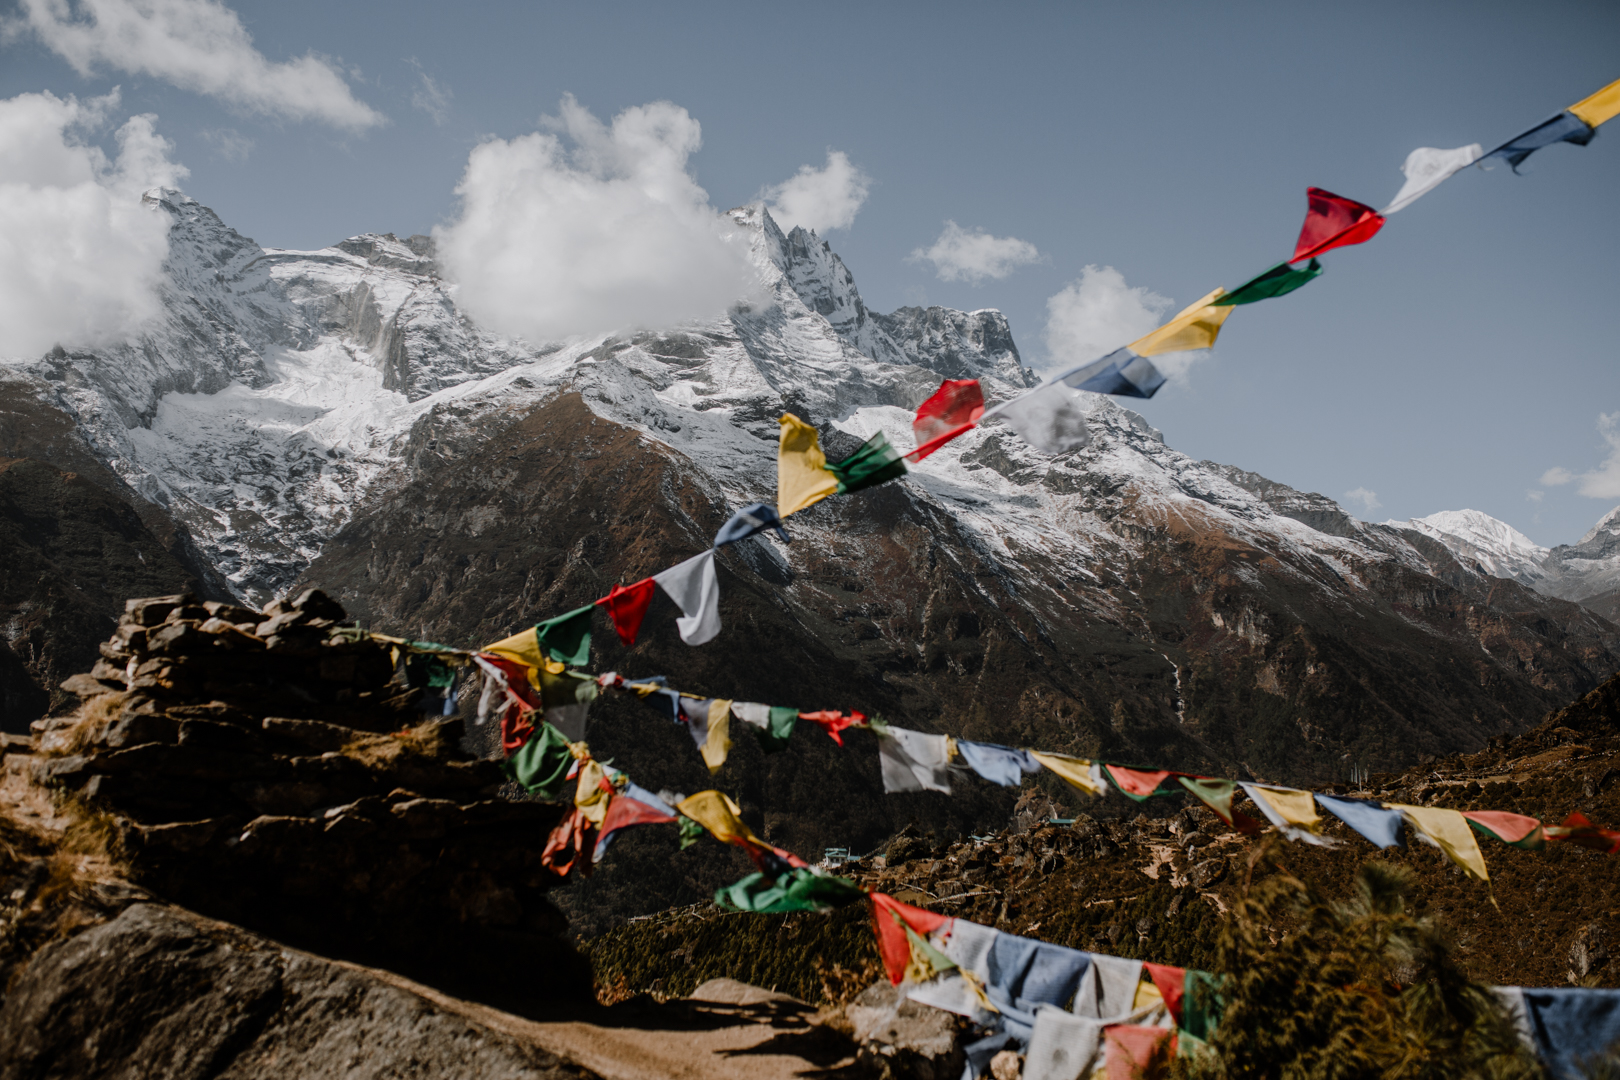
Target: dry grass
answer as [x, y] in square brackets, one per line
[89, 724]
[379, 751]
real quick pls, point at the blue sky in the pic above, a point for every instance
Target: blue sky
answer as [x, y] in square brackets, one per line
[1451, 362]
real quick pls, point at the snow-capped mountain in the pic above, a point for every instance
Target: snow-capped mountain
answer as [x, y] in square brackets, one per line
[332, 417]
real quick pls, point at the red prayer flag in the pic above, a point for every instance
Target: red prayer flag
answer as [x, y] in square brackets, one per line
[1576, 829]
[1172, 984]
[623, 812]
[517, 720]
[1137, 782]
[955, 407]
[1508, 828]
[1334, 221]
[627, 606]
[1135, 1052]
[893, 947]
[567, 842]
[832, 722]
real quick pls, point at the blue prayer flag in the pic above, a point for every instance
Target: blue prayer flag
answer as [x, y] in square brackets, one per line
[998, 764]
[1370, 819]
[1565, 127]
[751, 519]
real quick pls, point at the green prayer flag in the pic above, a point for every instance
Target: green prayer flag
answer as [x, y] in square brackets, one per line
[797, 890]
[567, 638]
[691, 833]
[1215, 794]
[778, 730]
[875, 462]
[541, 766]
[1280, 280]
[1202, 1003]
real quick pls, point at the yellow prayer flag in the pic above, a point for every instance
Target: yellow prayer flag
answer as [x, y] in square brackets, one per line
[802, 477]
[589, 796]
[1195, 327]
[524, 648]
[1292, 805]
[718, 744]
[1081, 773]
[1147, 995]
[716, 812]
[1601, 106]
[1447, 830]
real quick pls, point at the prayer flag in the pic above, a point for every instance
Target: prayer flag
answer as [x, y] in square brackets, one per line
[1050, 417]
[890, 920]
[1333, 221]
[832, 722]
[542, 765]
[522, 648]
[717, 813]
[1195, 327]
[1083, 774]
[913, 761]
[634, 806]
[751, 519]
[1134, 1051]
[1139, 784]
[1109, 988]
[696, 591]
[1565, 127]
[998, 764]
[627, 606]
[566, 844]
[874, 462]
[1280, 280]
[1202, 1004]
[1370, 819]
[1599, 107]
[567, 638]
[1515, 830]
[1575, 1028]
[1426, 168]
[1122, 372]
[592, 794]
[1217, 795]
[1172, 984]
[1292, 811]
[797, 890]
[709, 720]
[1447, 830]
[802, 479]
[955, 407]
[1576, 829]
[567, 699]
[773, 724]
[1062, 1046]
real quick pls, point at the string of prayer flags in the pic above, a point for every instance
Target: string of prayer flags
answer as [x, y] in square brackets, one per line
[1449, 831]
[709, 720]
[1080, 773]
[998, 764]
[1576, 829]
[542, 764]
[832, 722]
[1599, 108]
[876, 461]
[802, 478]
[627, 606]
[696, 591]
[1195, 326]
[751, 520]
[1426, 168]
[567, 638]
[913, 761]
[1565, 127]
[1378, 825]
[634, 805]
[1334, 221]
[954, 408]
[773, 724]
[804, 889]
[1293, 812]
[1514, 830]
[1280, 280]
[1139, 784]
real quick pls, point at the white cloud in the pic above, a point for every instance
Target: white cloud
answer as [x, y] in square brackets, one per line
[960, 255]
[1535, 495]
[231, 144]
[1557, 476]
[1367, 498]
[430, 95]
[820, 199]
[593, 229]
[198, 45]
[1603, 482]
[1096, 314]
[80, 255]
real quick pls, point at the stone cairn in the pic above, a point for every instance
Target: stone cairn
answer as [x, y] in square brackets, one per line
[273, 769]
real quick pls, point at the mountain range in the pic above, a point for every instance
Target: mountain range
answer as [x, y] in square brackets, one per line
[332, 418]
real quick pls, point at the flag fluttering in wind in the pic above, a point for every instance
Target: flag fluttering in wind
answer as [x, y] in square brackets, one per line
[1334, 221]
[1426, 168]
[954, 408]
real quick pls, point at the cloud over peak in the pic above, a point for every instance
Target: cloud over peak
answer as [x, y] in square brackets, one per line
[820, 199]
[198, 45]
[1602, 482]
[972, 256]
